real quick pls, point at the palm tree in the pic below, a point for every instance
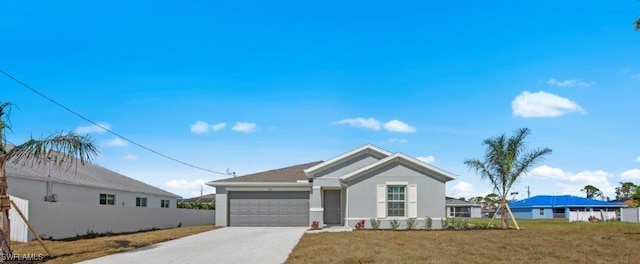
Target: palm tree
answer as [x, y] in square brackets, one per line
[505, 160]
[60, 150]
[592, 191]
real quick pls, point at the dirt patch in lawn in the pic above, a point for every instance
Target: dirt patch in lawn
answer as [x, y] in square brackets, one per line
[84, 249]
[537, 242]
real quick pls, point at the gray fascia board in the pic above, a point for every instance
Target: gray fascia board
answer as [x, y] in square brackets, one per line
[259, 184]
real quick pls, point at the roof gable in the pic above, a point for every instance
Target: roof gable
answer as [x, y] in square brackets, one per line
[399, 157]
[366, 149]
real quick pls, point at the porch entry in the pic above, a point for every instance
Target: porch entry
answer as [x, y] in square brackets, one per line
[332, 207]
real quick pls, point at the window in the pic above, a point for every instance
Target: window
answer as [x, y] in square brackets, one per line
[109, 199]
[396, 200]
[141, 201]
[460, 211]
[541, 211]
[164, 203]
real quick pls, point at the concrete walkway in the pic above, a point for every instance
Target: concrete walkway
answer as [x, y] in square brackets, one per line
[225, 245]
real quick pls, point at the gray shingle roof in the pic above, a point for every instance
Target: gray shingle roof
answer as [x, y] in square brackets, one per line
[207, 198]
[454, 201]
[288, 174]
[85, 175]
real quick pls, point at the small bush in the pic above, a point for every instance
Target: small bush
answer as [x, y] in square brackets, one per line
[428, 223]
[360, 225]
[315, 225]
[375, 223]
[394, 224]
[411, 223]
[460, 223]
[445, 223]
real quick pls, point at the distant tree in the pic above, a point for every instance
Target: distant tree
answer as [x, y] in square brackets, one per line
[476, 200]
[462, 199]
[491, 200]
[505, 160]
[592, 191]
[637, 24]
[636, 197]
[625, 190]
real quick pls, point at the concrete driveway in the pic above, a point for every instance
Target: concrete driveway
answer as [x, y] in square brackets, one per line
[225, 245]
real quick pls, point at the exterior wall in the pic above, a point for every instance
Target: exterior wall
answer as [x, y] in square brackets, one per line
[436, 223]
[362, 194]
[520, 213]
[547, 213]
[631, 215]
[34, 190]
[63, 220]
[347, 166]
[476, 212]
[222, 204]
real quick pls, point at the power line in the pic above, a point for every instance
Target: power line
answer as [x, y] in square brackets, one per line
[106, 129]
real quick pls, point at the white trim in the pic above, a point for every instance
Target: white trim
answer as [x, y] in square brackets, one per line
[268, 189]
[316, 209]
[316, 187]
[447, 176]
[368, 148]
[397, 183]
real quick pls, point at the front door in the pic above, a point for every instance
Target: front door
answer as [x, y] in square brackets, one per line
[332, 207]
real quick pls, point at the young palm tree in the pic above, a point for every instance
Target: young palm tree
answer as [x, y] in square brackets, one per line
[505, 160]
[61, 150]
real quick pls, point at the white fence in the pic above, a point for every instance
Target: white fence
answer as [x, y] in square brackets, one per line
[584, 216]
[631, 215]
[19, 229]
[64, 220]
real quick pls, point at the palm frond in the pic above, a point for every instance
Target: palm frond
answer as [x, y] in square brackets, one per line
[637, 24]
[528, 161]
[5, 126]
[59, 149]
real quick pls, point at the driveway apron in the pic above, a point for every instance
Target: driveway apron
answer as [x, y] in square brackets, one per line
[224, 245]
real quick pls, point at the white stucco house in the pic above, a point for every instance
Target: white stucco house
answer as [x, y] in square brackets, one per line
[364, 183]
[88, 183]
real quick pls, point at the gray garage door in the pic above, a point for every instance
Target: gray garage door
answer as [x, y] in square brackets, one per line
[269, 208]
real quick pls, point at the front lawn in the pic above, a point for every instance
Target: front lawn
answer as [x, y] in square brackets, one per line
[539, 241]
[84, 249]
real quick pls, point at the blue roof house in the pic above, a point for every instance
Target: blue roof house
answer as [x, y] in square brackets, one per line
[548, 206]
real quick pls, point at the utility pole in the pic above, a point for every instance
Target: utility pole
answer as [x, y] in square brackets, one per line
[528, 193]
[201, 186]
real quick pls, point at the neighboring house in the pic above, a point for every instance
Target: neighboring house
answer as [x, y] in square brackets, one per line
[207, 198]
[90, 184]
[460, 208]
[548, 206]
[367, 182]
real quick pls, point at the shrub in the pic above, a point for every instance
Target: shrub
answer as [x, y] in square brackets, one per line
[375, 223]
[460, 223]
[315, 225]
[411, 222]
[394, 224]
[428, 223]
[445, 223]
[360, 225]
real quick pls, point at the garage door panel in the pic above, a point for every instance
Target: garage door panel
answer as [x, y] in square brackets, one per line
[268, 208]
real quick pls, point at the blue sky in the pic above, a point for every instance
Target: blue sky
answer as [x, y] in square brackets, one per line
[295, 82]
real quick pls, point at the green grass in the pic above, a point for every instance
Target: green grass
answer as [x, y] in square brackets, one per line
[539, 241]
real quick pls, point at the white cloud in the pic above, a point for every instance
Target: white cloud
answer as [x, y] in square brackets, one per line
[638, 159]
[370, 123]
[570, 83]
[199, 127]
[116, 142]
[398, 140]
[398, 126]
[543, 104]
[636, 76]
[464, 189]
[428, 159]
[572, 183]
[244, 127]
[92, 129]
[632, 174]
[130, 157]
[219, 126]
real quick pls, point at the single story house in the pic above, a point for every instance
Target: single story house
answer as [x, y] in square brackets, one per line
[87, 183]
[207, 198]
[364, 183]
[549, 206]
[460, 208]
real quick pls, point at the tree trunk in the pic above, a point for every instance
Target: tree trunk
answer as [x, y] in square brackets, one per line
[503, 214]
[5, 224]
